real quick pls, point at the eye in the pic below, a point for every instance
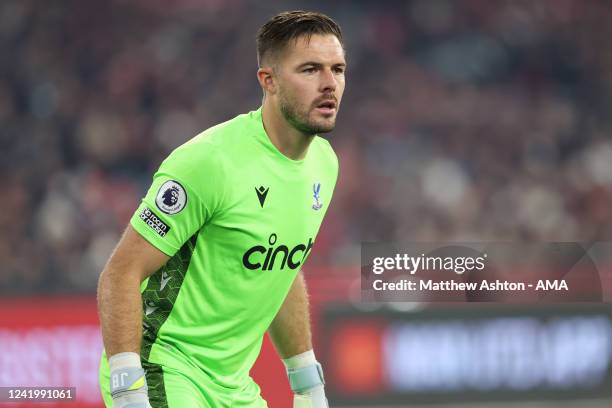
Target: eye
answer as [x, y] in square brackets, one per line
[309, 70]
[339, 69]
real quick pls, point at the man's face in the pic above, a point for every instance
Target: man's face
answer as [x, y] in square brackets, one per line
[310, 79]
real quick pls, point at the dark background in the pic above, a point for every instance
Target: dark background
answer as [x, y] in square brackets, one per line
[470, 120]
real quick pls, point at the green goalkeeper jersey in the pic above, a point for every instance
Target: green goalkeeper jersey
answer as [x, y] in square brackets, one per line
[238, 219]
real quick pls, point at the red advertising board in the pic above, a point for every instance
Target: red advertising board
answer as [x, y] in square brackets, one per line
[56, 342]
[51, 343]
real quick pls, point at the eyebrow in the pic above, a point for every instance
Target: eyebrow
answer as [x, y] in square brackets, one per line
[318, 64]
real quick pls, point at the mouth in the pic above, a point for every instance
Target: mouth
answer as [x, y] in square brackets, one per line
[327, 107]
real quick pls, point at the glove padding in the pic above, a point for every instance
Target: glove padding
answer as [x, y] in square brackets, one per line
[127, 381]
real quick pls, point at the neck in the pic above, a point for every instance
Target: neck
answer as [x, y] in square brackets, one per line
[286, 138]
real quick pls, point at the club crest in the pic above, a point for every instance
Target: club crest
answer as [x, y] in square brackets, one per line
[316, 190]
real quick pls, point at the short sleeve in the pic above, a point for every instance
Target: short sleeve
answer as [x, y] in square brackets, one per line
[185, 193]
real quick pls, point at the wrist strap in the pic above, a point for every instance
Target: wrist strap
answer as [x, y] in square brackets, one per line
[126, 374]
[127, 379]
[305, 378]
[304, 359]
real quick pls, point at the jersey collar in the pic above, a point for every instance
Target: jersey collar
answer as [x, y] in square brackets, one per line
[262, 138]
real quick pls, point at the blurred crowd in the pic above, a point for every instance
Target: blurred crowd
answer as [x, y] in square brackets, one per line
[462, 120]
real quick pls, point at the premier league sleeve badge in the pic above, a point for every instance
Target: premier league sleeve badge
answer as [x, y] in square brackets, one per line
[171, 197]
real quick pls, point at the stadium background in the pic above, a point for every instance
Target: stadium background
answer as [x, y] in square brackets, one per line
[462, 120]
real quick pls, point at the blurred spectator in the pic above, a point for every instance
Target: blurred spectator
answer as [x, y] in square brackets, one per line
[470, 120]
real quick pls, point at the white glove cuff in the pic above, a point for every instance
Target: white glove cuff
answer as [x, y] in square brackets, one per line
[301, 360]
[126, 375]
[124, 360]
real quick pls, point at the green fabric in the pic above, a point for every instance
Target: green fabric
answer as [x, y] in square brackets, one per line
[158, 302]
[251, 215]
[182, 385]
[156, 385]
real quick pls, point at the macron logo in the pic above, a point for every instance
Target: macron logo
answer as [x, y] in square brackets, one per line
[262, 192]
[164, 280]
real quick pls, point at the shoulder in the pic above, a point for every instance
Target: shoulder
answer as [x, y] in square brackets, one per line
[227, 133]
[326, 156]
[220, 135]
[190, 160]
[208, 151]
[202, 165]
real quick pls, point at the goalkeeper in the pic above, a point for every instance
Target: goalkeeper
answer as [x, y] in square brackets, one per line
[211, 259]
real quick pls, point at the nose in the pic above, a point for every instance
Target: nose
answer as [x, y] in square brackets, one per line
[328, 81]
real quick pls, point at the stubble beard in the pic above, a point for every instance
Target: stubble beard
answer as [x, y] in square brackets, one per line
[301, 120]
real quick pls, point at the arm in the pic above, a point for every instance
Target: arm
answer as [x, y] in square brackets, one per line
[119, 299]
[290, 329]
[290, 333]
[120, 310]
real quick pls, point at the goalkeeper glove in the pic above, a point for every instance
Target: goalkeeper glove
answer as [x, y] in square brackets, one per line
[127, 381]
[306, 380]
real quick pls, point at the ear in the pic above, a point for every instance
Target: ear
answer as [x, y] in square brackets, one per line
[267, 80]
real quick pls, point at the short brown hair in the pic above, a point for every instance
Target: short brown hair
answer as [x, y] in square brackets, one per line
[290, 25]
